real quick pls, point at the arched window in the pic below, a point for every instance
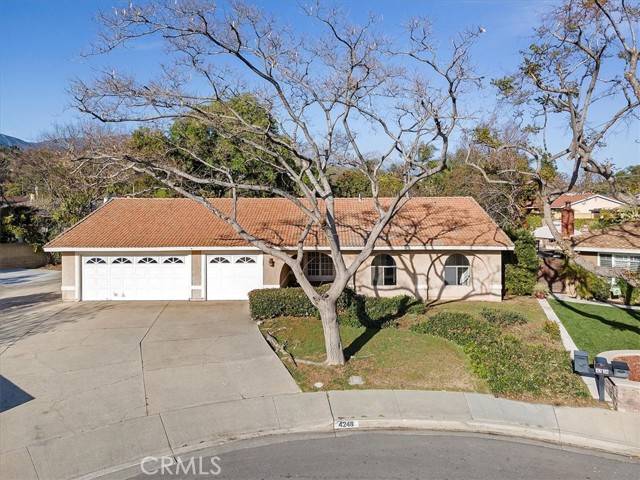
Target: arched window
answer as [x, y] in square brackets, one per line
[457, 270]
[121, 260]
[147, 260]
[173, 260]
[219, 260]
[96, 260]
[383, 270]
[319, 267]
[246, 260]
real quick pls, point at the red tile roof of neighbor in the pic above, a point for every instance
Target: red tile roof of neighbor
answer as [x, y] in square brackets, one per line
[625, 236]
[180, 222]
[571, 198]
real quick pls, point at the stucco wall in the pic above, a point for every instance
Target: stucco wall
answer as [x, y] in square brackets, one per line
[21, 255]
[197, 285]
[68, 282]
[584, 209]
[420, 274]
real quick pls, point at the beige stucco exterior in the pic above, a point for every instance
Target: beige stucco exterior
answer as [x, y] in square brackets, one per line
[419, 274]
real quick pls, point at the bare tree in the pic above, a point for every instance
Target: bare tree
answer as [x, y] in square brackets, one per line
[322, 90]
[580, 77]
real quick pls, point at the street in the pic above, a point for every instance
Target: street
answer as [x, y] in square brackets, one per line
[410, 456]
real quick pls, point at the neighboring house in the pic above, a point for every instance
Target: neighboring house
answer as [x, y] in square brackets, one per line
[176, 249]
[617, 247]
[585, 205]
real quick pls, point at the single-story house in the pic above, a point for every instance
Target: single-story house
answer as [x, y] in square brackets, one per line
[176, 249]
[585, 205]
[616, 247]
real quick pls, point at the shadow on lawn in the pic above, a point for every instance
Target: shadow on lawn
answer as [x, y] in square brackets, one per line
[374, 322]
[612, 323]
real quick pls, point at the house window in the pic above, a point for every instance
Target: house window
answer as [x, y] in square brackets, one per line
[121, 260]
[219, 260]
[457, 270]
[96, 260]
[246, 260]
[383, 270]
[629, 262]
[319, 266]
[147, 260]
[173, 260]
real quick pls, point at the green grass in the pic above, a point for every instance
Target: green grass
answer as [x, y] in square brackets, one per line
[597, 329]
[389, 358]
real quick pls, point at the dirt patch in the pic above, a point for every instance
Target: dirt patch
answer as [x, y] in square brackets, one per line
[634, 366]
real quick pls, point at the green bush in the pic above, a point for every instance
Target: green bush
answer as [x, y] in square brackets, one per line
[551, 328]
[519, 281]
[520, 278]
[588, 285]
[630, 295]
[502, 317]
[509, 366]
[459, 327]
[374, 312]
[290, 302]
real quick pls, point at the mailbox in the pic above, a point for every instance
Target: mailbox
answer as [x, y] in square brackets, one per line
[601, 366]
[620, 369]
[581, 362]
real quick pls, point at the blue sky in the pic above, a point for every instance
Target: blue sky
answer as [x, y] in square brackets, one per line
[41, 44]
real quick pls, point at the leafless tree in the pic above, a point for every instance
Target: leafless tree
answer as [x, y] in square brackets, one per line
[580, 76]
[323, 90]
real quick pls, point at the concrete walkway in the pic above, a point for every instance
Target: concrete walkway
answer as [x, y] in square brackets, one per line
[566, 298]
[181, 433]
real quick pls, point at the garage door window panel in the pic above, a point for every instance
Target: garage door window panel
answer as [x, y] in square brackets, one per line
[246, 260]
[147, 260]
[219, 260]
[96, 260]
[173, 260]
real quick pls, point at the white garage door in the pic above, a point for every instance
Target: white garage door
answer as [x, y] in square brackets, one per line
[232, 277]
[136, 277]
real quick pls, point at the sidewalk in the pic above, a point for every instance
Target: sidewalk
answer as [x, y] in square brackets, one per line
[180, 433]
[566, 298]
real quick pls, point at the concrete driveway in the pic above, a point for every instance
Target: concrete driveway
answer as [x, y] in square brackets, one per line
[70, 368]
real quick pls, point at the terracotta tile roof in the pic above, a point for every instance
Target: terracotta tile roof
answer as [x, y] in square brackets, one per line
[625, 236]
[180, 222]
[570, 197]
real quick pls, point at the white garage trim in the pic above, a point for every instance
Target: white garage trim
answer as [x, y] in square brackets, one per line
[144, 276]
[232, 277]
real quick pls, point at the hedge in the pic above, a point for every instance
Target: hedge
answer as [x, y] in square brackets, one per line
[290, 302]
[372, 312]
[509, 366]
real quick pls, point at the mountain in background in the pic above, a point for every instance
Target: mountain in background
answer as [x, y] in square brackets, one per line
[9, 141]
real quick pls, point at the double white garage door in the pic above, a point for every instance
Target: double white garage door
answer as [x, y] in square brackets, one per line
[143, 277]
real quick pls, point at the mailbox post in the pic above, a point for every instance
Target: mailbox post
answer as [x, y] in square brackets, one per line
[601, 369]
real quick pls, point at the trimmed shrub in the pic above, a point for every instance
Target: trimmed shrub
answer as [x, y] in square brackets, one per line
[372, 312]
[521, 277]
[459, 327]
[502, 317]
[290, 302]
[519, 281]
[630, 295]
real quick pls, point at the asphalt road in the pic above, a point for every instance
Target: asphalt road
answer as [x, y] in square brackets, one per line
[407, 456]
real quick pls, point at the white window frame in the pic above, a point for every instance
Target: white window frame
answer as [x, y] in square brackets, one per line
[457, 269]
[379, 272]
[326, 270]
[621, 260]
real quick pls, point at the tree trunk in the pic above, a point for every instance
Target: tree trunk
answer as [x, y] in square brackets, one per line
[332, 342]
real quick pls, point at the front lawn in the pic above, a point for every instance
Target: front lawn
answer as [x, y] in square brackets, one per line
[597, 329]
[507, 348]
[389, 358]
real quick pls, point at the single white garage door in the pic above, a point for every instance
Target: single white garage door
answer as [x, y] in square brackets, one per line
[232, 277]
[136, 277]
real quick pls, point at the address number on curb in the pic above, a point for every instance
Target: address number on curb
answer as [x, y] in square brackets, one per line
[346, 424]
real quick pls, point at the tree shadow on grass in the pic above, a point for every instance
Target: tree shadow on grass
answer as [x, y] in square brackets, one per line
[612, 323]
[375, 320]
